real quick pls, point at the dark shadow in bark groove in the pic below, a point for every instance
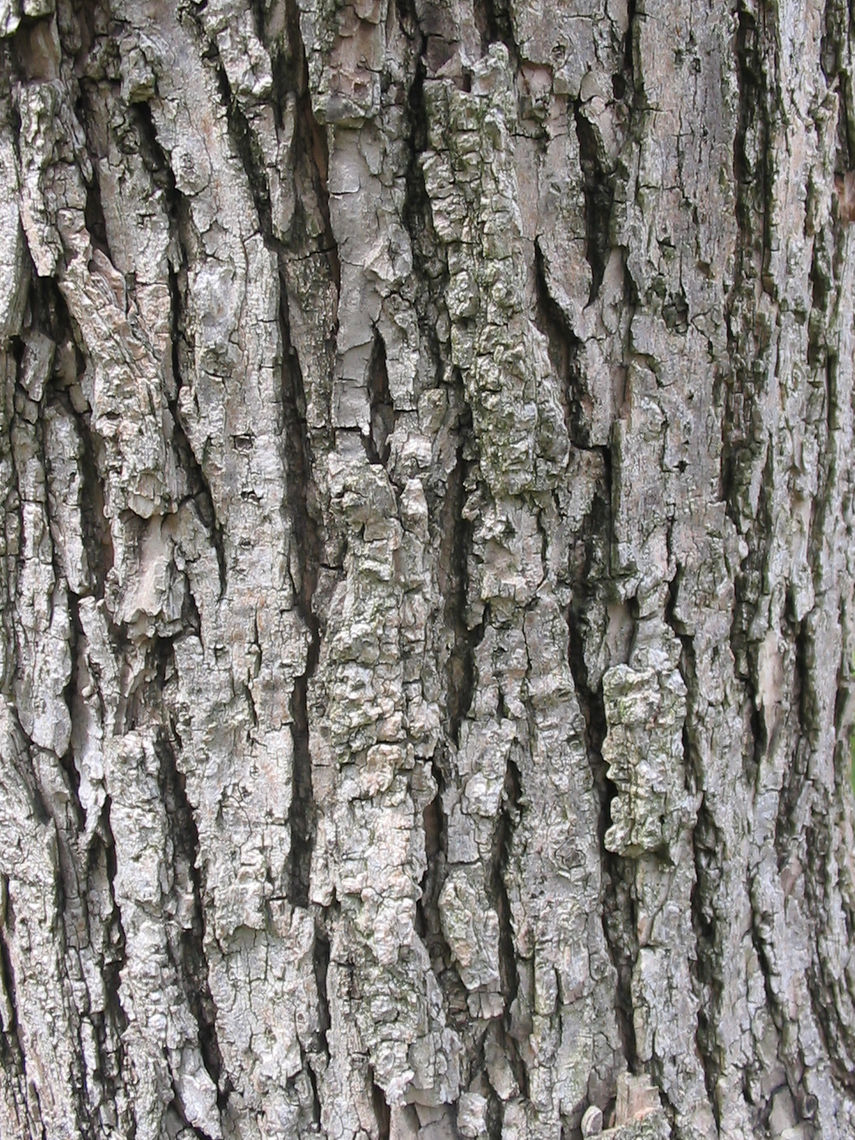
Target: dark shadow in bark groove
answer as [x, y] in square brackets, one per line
[95, 221]
[50, 316]
[509, 817]
[599, 193]
[319, 1046]
[706, 848]
[12, 1054]
[305, 524]
[382, 1113]
[428, 922]
[382, 417]
[69, 694]
[617, 889]
[111, 970]
[321, 969]
[617, 892]
[193, 963]
[310, 141]
[564, 347]
[306, 535]
[455, 541]
[180, 225]
[197, 481]
[453, 572]
[302, 813]
[494, 21]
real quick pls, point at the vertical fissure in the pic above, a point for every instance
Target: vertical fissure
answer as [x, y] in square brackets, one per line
[308, 549]
[304, 519]
[617, 893]
[495, 22]
[198, 484]
[382, 1112]
[115, 947]
[598, 188]
[564, 347]
[706, 848]
[510, 812]
[382, 409]
[178, 212]
[12, 1051]
[310, 147]
[453, 566]
[193, 958]
[70, 693]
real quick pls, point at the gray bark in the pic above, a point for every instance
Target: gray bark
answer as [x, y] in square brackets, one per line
[426, 575]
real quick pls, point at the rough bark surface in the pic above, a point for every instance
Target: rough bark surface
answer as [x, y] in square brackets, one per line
[426, 574]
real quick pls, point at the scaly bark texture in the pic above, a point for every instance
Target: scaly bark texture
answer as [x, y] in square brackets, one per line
[426, 574]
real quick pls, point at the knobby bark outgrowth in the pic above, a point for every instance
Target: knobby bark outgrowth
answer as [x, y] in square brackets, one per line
[426, 569]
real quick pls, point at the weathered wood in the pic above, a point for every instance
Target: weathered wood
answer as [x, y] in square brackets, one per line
[427, 569]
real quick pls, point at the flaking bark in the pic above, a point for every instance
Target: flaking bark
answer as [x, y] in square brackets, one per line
[426, 574]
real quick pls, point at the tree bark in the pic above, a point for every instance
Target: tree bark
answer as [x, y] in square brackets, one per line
[427, 569]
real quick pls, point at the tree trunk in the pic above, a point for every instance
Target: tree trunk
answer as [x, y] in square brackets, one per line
[427, 569]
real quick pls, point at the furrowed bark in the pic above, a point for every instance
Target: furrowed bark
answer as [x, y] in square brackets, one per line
[426, 574]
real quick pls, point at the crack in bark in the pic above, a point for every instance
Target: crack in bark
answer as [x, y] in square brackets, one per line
[298, 466]
[428, 920]
[12, 1053]
[309, 547]
[599, 191]
[564, 347]
[111, 969]
[495, 23]
[310, 146]
[453, 568]
[382, 1112]
[509, 816]
[616, 893]
[706, 846]
[382, 408]
[199, 486]
[193, 964]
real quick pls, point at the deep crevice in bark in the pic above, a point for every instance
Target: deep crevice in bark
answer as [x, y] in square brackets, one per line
[298, 464]
[428, 921]
[321, 969]
[494, 21]
[509, 816]
[598, 187]
[741, 378]
[181, 350]
[193, 962]
[706, 849]
[310, 146]
[382, 409]
[302, 813]
[198, 484]
[382, 1112]
[12, 1053]
[95, 221]
[71, 691]
[111, 968]
[795, 786]
[564, 348]
[453, 567]
[306, 535]
[616, 890]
